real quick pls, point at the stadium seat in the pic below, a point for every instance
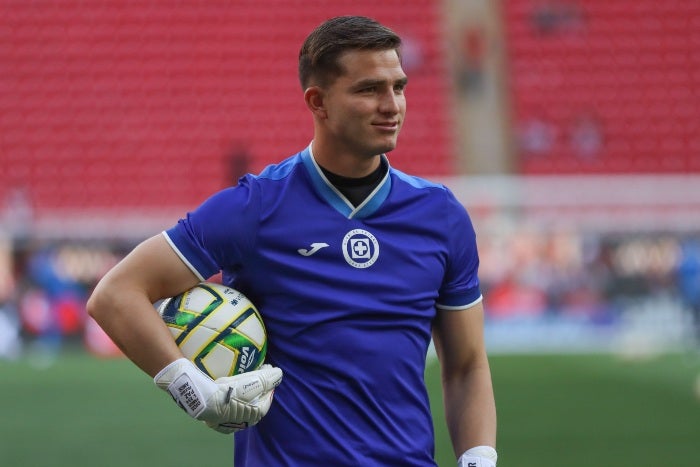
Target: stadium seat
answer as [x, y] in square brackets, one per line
[630, 62]
[117, 105]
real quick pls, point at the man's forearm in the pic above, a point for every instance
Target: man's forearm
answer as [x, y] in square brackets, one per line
[470, 410]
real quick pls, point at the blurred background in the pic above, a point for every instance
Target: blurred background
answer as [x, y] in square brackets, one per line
[570, 129]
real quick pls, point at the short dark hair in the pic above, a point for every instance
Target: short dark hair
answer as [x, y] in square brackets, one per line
[318, 57]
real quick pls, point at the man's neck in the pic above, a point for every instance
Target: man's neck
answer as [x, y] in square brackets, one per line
[357, 189]
[345, 165]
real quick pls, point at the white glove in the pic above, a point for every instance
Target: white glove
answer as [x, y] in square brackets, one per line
[228, 404]
[480, 456]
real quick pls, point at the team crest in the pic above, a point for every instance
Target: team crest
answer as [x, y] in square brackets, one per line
[360, 248]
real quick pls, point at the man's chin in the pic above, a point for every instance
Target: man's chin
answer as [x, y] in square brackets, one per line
[386, 148]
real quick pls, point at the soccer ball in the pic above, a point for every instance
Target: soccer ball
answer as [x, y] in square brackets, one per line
[217, 328]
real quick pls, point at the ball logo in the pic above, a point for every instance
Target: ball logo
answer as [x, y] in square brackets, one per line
[247, 358]
[360, 248]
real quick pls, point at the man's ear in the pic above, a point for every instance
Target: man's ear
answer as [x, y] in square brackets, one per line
[314, 98]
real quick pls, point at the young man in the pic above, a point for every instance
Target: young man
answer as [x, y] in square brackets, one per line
[352, 264]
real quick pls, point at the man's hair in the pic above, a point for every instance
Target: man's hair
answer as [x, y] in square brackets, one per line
[318, 57]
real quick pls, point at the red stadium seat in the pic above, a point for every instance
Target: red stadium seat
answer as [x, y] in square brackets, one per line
[630, 62]
[119, 105]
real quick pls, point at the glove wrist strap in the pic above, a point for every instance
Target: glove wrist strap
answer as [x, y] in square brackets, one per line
[479, 456]
[187, 385]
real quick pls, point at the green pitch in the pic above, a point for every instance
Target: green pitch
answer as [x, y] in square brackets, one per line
[553, 411]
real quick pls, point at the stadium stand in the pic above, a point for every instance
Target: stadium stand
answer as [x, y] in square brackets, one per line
[605, 87]
[130, 105]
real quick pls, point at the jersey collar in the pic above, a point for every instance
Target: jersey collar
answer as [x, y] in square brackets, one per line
[336, 199]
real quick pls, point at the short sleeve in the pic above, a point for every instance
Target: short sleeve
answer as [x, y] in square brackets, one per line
[460, 288]
[219, 233]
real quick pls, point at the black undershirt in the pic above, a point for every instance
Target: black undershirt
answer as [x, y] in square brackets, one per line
[356, 190]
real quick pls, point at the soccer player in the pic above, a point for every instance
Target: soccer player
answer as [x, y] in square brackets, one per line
[353, 265]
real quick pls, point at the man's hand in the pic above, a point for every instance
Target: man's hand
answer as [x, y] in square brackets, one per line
[228, 404]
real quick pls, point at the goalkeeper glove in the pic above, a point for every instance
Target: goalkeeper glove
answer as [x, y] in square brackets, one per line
[480, 456]
[226, 404]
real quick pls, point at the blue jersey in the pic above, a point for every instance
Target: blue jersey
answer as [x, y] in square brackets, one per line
[348, 295]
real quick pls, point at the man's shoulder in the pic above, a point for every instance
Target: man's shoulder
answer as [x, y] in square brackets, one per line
[281, 170]
[435, 195]
[415, 181]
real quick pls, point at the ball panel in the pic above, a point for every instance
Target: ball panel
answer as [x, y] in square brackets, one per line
[169, 310]
[253, 329]
[250, 355]
[176, 316]
[218, 361]
[225, 315]
[194, 342]
[201, 299]
[196, 305]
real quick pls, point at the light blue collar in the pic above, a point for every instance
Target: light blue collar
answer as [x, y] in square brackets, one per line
[336, 199]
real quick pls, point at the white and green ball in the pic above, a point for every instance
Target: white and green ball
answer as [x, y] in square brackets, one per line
[218, 328]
